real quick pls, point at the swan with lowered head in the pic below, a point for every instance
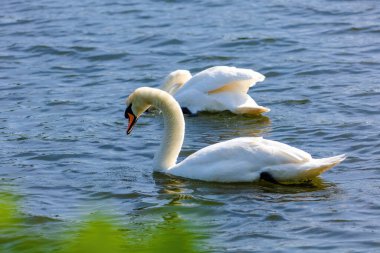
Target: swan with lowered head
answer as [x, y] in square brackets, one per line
[219, 88]
[244, 159]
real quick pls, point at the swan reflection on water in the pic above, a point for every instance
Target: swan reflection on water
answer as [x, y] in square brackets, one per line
[180, 191]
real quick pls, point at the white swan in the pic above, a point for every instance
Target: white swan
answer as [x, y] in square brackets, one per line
[219, 88]
[244, 159]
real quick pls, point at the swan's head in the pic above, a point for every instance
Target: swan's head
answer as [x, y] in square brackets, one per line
[142, 98]
[175, 80]
[137, 103]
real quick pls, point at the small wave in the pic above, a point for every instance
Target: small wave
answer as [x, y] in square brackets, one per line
[107, 195]
[38, 219]
[106, 57]
[275, 217]
[7, 57]
[277, 89]
[111, 147]
[238, 43]
[61, 102]
[44, 49]
[170, 42]
[252, 41]
[14, 21]
[83, 48]
[273, 74]
[57, 157]
[140, 39]
[124, 12]
[207, 58]
[317, 72]
[296, 101]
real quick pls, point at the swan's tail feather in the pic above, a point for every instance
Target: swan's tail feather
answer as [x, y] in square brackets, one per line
[295, 172]
[319, 166]
[251, 110]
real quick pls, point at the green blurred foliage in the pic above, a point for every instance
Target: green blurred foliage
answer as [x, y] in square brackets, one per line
[96, 234]
[7, 208]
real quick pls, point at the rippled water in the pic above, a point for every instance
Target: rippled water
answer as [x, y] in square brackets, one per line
[67, 66]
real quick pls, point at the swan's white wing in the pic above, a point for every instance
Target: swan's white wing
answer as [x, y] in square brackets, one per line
[238, 160]
[221, 88]
[239, 103]
[221, 79]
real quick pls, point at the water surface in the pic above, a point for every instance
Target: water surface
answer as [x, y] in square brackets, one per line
[67, 67]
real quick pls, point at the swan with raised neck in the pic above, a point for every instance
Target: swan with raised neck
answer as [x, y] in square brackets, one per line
[244, 159]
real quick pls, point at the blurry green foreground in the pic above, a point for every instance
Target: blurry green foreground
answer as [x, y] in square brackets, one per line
[97, 234]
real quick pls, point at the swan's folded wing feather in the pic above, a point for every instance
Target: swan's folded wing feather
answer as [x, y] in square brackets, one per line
[235, 102]
[240, 159]
[221, 162]
[284, 152]
[222, 79]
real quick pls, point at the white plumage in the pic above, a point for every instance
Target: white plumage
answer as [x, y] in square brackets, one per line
[219, 88]
[244, 159]
[237, 160]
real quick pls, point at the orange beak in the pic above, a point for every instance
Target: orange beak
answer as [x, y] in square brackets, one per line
[131, 118]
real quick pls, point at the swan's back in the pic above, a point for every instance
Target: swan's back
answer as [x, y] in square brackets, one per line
[239, 160]
[223, 78]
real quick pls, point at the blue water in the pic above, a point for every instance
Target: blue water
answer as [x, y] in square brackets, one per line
[66, 68]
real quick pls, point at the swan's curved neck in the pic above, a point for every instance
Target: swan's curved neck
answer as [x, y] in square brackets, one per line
[174, 131]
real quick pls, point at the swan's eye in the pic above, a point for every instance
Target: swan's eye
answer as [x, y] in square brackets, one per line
[131, 118]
